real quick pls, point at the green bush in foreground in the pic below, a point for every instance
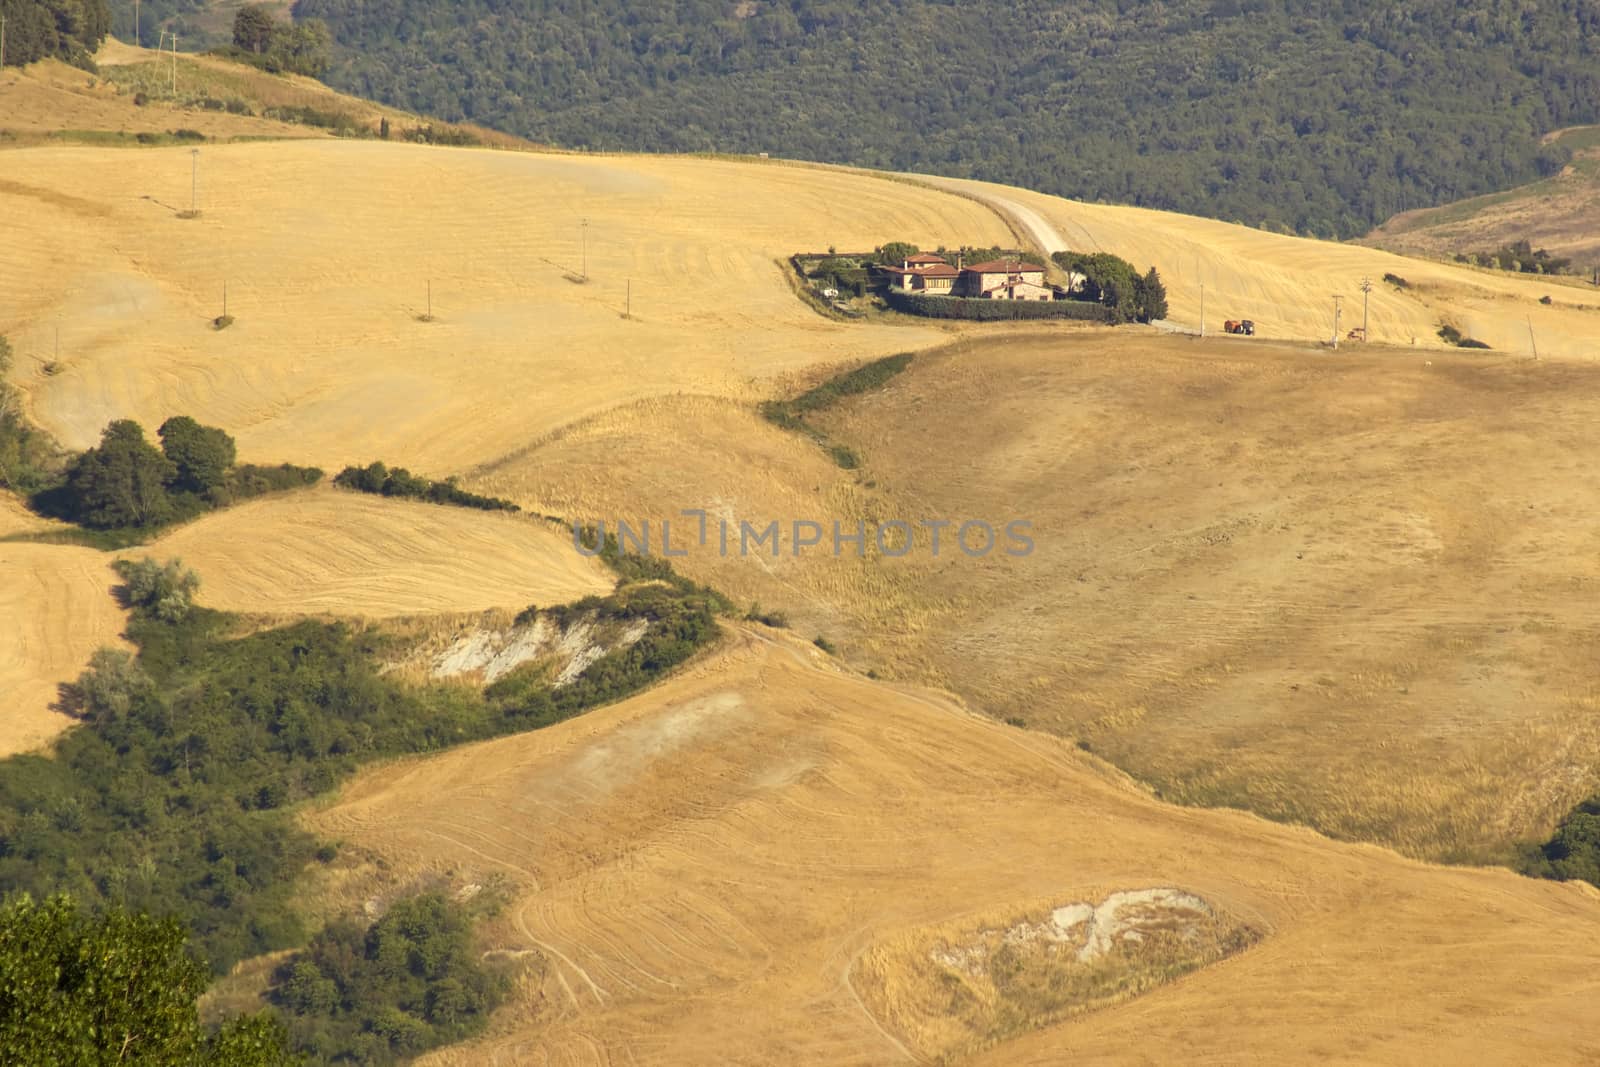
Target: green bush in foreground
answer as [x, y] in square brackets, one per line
[116, 988]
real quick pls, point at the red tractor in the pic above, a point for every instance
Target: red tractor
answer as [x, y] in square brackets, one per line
[1239, 326]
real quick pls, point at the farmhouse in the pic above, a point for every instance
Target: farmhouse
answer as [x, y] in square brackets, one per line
[1004, 279]
[994, 280]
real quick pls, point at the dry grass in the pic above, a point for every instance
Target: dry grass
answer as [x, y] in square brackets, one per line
[1287, 284]
[341, 553]
[706, 864]
[1557, 214]
[56, 609]
[51, 101]
[1350, 591]
[328, 248]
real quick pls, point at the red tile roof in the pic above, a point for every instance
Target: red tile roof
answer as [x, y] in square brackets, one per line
[925, 257]
[1005, 266]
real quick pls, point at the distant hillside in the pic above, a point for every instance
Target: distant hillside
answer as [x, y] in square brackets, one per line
[52, 29]
[1324, 118]
[1560, 214]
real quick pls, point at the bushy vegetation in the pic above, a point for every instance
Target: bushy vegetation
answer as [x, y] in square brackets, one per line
[374, 994]
[173, 795]
[1315, 118]
[63, 29]
[116, 987]
[1518, 256]
[127, 483]
[1396, 281]
[790, 414]
[1450, 335]
[1573, 851]
[1112, 282]
[280, 47]
[976, 310]
[397, 481]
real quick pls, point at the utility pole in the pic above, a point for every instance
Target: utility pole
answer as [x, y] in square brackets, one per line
[174, 64]
[2, 40]
[1202, 311]
[194, 180]
[583, 244]
[1531, 340]
[1366, 291]
[1337, 309]
[136, 23]
[430, 299]
[224, 298]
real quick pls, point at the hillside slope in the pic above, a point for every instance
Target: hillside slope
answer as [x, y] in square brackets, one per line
[1321, 118]
[1560, 214]
[705, 869]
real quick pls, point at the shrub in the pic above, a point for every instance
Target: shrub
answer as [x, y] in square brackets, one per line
[1545, 300]
[1471, 342]
[1397, 281]
[397, 481]
[1449, 334]
[826, 645]
[165, 591]
[955, 307]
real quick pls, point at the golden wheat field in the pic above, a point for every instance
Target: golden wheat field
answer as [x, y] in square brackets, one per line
[329, 251]
[715, 871]
[1287, 285]
[1352, 591]
[341, 553]
[56, 609]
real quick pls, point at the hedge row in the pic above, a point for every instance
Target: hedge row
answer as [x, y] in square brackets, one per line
[955, 307]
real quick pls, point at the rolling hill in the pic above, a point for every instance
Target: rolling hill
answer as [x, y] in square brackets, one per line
[722, 869]
[1344, 590]
[1557, 213]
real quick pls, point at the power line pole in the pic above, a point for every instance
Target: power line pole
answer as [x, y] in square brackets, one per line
[136, 23]
[174, 64]
[1531, 339]
[1366, 291]
[583, 244]
[194, 180]
[1337, 309]
[2, 40]
[627, 306]
[1202, 311]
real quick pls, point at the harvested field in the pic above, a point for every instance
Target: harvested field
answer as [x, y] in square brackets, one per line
[705, 866]
[327, 362]
[339, 553]
[1350, 591]
[1286, 284]
[56, 609]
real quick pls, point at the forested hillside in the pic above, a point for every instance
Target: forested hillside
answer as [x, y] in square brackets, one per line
[1322, 117]
[64, 29]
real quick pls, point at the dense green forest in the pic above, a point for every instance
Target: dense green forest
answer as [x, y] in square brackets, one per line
[65, 29]
[1324, 118]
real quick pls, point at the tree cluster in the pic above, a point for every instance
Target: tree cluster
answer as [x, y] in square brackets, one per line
[1114, 283]
[1521, 257]
[64, 29]
[1316, 118]
[29, 460]
[115, 988]
[301, 47]
[397, 481]
[125, 482]
[375, 993]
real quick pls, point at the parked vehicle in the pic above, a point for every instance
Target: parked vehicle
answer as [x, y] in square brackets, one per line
[1239, 326]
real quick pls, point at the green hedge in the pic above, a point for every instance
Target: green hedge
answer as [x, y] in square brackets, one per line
[955, 307]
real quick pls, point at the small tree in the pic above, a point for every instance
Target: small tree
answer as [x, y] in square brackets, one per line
[164, 590]
[122, 482]
[895, 252]
[202, 454]
[1152, 297]
[254, 28]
